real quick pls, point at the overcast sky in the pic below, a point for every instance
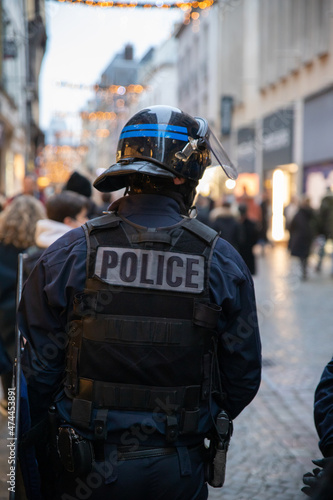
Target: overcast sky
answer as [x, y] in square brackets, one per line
[83, 40]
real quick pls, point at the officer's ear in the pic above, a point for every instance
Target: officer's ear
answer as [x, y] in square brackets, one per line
[179, 180]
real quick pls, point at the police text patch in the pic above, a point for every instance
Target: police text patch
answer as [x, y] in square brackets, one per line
[150, 269]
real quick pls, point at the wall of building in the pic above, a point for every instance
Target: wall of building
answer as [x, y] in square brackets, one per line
[21, 56]
[158, 74]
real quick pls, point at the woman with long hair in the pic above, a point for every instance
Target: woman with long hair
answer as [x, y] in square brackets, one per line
[17, 233]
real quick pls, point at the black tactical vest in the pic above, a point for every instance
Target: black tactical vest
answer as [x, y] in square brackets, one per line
[142, 339]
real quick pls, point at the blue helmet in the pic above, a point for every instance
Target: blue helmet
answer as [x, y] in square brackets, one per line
[163, 141]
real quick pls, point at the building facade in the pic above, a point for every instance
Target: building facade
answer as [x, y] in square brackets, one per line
[271, 81]
[23, 41]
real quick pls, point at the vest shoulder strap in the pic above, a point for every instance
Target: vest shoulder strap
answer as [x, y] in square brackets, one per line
[201, 230]
[105, 221]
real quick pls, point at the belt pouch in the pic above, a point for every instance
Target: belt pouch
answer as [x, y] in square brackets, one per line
[76, 453]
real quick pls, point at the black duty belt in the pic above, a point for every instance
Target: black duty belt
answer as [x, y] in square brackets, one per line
[144, 453]
[125, 453]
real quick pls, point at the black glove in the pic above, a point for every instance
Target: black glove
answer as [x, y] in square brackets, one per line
[312, 480]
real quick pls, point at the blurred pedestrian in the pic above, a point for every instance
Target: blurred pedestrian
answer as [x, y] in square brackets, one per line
[3, 201]
[29, 188]
[289, 213]
[266, 212]
[326, 227]
[248, 236]
[82, 185]
[225, 222]
[253, 208]
[290, 210]
[65, 211]
[17, 232]
[203, 205]
[106, 200]
[302, 233]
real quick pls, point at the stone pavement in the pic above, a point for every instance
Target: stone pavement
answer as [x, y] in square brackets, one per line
[274, 438]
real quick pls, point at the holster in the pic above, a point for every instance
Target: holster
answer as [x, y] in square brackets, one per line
[216, 454]
[75, 452]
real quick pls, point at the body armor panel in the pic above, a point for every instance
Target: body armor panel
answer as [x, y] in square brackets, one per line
[142, 339]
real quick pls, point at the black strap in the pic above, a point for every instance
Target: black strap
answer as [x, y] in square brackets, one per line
[148, 330]
[139, 397]
[100, 424]
[105, 221]
[151, 237]
[81, 412]
[199, 229]
[206, 315]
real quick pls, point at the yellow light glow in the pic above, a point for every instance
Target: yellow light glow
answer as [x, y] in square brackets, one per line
[102, 132]
[278, 192]
[43, 182]
[195, 15]
[185, 6]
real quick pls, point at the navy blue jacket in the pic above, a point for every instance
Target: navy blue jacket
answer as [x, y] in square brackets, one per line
[46, 310]
[323, 410]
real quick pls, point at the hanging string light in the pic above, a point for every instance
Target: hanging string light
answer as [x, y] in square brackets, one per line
[112, 89]
[158, 4]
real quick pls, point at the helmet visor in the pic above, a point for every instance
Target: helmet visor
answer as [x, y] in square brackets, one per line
[217, 149]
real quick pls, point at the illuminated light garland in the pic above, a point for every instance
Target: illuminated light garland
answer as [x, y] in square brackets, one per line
[158, 4]
[133, 88]
[99, 115]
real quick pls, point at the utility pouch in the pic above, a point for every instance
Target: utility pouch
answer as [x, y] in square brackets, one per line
[216, 459]
[76, 453]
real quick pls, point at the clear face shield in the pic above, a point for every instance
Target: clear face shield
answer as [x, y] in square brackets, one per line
[216, 149]
[209, 140]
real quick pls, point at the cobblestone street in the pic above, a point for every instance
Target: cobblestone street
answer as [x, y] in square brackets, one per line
[274, 438]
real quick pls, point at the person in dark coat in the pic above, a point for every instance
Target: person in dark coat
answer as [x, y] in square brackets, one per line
[248, 236]
[302, 233]
[325, 224]
[78, 183]
[17, 232]
[225, 223]
[319, 482]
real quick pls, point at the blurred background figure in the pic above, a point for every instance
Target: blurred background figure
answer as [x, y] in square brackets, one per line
[106, 200]
[30, 186]
[203, 205]
[289, 213]
[3, 201]
[248, 236]
[266, 213]
[17, 232]
[82, 185]
[302, 231]
[224, 221]
[326, 227]
[64, 211]
[253, 208]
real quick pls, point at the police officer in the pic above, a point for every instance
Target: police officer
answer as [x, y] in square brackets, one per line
[141, 326]
[319, 482]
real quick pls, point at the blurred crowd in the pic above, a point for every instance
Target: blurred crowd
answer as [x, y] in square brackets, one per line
[29, 223]
[244, 223]
[32, 220]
